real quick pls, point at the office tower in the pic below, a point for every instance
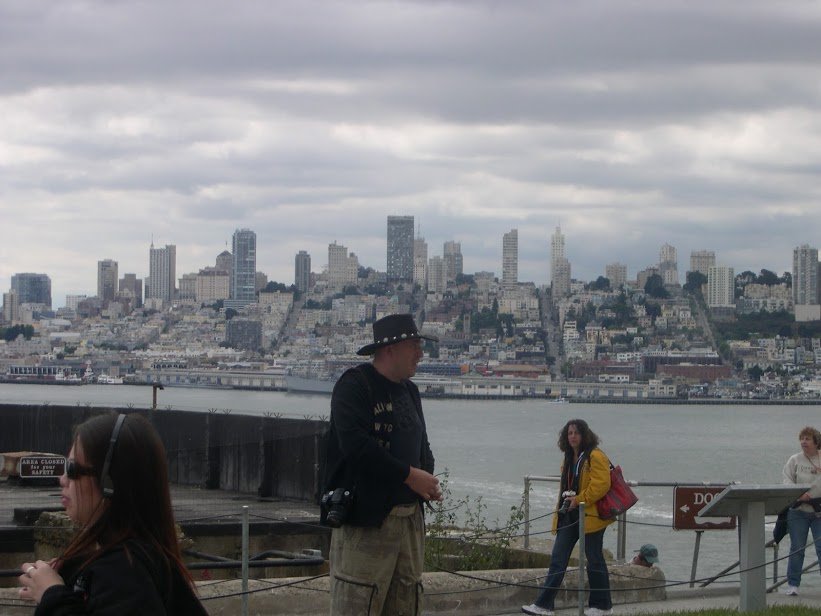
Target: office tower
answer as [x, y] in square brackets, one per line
[559, 266]
[32, 288]
[702, 260]
[225, 263]
[244, 267]
[213, 284]
[452, 256]
[131, 286]
[343, 269]
[302, 271]
[162, 273]
[187, 290]
[11, 307]
[805, 275]
[420, 262]
[720, 287]
[616, 273]
[510, 258]
[73, 301]
[107, 279]
[668, 265]
[400, 248]
[436, 275]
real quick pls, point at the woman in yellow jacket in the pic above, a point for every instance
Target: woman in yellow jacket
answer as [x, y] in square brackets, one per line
[585, 479]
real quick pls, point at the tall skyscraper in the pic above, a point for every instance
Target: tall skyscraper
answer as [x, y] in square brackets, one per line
[721, 287]
[452, 256]
[559, 266]
[400, 248]
[132, 286]
[805, 275]
[162, 272]
[212, 285]
[420, 262]
[11, 307]
[436, 275]
[32, 288]
[510, 258]
[702, 260]
[243, 279]
[302, 271]
[343, 268]
[107, 279]
[616, 273]
[668, 265]
[225, 263]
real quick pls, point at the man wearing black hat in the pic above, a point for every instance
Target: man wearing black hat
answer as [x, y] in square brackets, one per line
[379, 471]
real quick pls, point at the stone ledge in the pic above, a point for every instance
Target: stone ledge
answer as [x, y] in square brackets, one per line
[445, 593]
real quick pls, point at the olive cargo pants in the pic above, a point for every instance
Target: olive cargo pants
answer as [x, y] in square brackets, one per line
[376, 571]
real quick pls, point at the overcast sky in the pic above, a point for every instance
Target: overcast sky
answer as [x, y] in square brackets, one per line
[630, 124]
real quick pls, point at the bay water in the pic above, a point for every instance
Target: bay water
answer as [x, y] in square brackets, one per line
[487, 447]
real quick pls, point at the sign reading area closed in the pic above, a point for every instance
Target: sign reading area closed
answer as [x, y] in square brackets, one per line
[688, 503]
[32, 467]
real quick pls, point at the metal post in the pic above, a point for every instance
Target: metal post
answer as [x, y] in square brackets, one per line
[581, 559]
[621, 538]
[245, 560]
[527, 512]
[775, 562]
[695, 558]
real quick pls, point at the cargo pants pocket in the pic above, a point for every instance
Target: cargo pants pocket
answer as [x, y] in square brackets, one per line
[351, 596]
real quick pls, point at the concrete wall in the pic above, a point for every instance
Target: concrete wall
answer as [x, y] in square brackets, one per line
[269, 456]
[444, 593]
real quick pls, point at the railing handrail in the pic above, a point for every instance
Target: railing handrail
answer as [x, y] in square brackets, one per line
[621, 520]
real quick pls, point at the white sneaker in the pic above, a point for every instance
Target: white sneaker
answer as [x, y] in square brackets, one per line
[791, 590]
[536, 610]
[596, 611]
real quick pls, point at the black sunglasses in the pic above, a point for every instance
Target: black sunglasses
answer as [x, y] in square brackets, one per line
[75, 470]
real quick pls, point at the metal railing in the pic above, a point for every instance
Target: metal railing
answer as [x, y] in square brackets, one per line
[621, 521]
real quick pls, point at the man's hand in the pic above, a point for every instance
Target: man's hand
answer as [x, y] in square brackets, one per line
[424, 484]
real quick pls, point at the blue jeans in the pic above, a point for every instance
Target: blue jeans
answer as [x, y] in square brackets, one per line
[597, 576]
[799, 523]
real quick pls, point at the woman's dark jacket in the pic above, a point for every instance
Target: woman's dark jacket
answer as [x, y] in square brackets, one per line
[128, 580]
[358, 454]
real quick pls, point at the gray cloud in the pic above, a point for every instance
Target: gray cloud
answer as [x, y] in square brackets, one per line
[628, 123]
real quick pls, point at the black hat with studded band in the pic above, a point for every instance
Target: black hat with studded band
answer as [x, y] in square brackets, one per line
[390, 330]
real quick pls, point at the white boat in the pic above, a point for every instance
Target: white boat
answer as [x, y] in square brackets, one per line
[104, 379]
[559, 400]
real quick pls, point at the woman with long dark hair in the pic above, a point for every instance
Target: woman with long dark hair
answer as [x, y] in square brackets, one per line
[585, 479]
[125, 558]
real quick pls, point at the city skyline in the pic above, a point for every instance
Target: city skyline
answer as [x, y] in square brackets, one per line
[320, 265]
[694, 124]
